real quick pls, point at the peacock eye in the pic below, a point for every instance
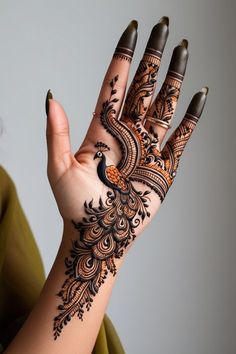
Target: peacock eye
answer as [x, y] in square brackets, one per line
[99, 154]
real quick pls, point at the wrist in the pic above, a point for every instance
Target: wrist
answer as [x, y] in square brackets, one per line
[71, 235]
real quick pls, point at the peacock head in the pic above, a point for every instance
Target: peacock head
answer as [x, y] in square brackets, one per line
[101, 148]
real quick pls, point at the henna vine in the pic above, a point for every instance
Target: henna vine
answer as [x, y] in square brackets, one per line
[166, 102]
[142, 87]
[107, 229]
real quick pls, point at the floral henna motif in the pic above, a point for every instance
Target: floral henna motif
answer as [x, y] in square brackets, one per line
[142, 86]
[157, 169]
[166, 101]
[107, 229]
[104, 233]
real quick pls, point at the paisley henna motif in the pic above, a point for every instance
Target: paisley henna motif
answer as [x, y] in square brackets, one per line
[158, 169]
[107, 229]
[104, 233]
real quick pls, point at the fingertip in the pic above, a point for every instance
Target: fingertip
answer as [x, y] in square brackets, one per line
[165, 20]
[52, 106]
[158, 37]
[179, 58]
[49, 96]
[197, 103]
[57, 120]
[57, 110]
[127, 42]
[205, 90]
[183, 43]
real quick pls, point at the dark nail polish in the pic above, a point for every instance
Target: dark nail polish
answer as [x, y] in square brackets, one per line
[127, 42]
[48, 97]
[164, 19]
[179, 58]
[197, 103]
[205, 90]
[184, 43]
[158, 37]
[134, 23]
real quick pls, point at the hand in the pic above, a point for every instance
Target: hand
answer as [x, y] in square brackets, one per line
[112, 186]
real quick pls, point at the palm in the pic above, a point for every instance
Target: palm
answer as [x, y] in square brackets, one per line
[146, 165]
[81, 183]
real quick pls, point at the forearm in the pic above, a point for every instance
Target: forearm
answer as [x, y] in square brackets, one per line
[37, 336]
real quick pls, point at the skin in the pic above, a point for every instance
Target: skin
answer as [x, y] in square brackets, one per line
[74, 178]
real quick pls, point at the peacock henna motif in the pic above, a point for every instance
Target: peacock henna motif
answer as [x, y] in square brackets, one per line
[104, 233]
[108, 228]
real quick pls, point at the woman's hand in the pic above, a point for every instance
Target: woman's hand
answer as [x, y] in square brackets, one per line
[109, 190]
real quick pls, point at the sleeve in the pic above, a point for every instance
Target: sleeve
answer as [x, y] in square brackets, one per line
[22, 275]
[21, 268]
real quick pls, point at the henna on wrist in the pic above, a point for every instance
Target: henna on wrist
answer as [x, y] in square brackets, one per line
[108, 228]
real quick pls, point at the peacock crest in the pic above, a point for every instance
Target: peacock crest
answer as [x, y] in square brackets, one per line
[109, 227]
[102, 146]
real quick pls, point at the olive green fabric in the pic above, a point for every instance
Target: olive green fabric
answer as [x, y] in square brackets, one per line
[22, 274]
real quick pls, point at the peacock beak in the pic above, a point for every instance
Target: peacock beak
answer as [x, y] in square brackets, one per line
[95, 156]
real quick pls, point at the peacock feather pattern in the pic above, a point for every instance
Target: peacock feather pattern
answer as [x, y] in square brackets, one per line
[108, 228]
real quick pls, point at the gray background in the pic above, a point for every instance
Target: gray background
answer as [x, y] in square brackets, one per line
[176, 291]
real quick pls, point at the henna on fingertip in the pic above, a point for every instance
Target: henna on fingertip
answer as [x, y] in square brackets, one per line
[161, 112]
[143, 85]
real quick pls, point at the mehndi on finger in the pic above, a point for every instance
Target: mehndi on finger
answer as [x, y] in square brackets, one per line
[118, 68]
[142, 87]
[110, 225]
[127, 42]
[161, 111]
[176, 143]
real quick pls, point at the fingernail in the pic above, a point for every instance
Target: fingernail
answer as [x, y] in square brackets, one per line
[205, 90]
[184, 43]
[127, 42]
[198, 102]
[158, 37]
[179, 58]
[49, 96]
[134, 23]
[164, 19]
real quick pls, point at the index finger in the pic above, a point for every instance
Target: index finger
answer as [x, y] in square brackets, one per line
[116, 76]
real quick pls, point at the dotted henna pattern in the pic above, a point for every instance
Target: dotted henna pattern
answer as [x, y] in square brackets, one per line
[108, 228]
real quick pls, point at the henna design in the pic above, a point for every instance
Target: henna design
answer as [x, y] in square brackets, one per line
[123, 53]
[157, 169]
[107, 229]
[127, 42]
[142, 86]
[166, 100]
[103, 235]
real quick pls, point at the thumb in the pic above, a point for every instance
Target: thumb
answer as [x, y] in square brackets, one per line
[58, 140]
